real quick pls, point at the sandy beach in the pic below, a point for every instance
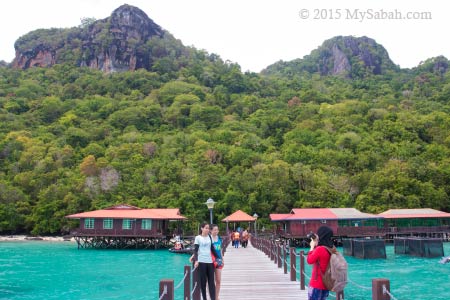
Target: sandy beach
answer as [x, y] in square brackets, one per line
[5, 238]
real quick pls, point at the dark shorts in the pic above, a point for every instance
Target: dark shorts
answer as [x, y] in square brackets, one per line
[317, 294]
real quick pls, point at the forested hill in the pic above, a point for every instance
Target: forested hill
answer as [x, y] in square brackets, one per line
[75, 138]
[346, 56]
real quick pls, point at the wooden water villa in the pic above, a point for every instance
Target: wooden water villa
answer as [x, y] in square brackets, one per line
[125, 226]
[350, 222]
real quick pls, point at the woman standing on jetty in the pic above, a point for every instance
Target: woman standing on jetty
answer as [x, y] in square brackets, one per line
[204, 262]
[319, 257]
[217, 242]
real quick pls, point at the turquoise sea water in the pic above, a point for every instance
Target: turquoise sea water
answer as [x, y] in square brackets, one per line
[45, 270]
[411, 278]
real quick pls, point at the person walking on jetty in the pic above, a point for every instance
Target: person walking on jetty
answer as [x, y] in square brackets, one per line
[217, 242]
[245, 238]
[319, 257]
[203, 260]
[236, 238]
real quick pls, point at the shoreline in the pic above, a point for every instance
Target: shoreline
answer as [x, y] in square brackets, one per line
[11, 238]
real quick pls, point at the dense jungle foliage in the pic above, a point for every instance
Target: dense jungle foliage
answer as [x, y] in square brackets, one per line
[75, 139]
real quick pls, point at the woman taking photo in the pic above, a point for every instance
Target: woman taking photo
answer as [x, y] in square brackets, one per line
[204, 262]
[217, 242]
[319, 257]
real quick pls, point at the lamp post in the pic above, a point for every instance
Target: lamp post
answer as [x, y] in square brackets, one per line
[210, 204]
[255, 215]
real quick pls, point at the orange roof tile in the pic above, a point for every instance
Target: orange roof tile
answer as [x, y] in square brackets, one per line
[239, 216]
[278, 217]
[127, 213]
[414, 213]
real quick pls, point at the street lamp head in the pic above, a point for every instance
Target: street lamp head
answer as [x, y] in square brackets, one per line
[255, 215]
[210, 203]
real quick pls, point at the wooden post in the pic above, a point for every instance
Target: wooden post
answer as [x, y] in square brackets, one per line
[272, 256]
[196, 285]
[275, 252]
[293, 263]
[302, 270]
[285, 257]
[166, 287]
[340, 295]
[377, 289]
[187, 283]
[279, 258]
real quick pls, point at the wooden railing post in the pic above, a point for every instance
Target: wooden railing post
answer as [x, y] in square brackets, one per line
[272, 256]
[285, 257]
[187, 283]
[166, 289]
[302, 270]
[293, 263]
[196, 285]
[279, 259]
[275, 252]
[377, 289]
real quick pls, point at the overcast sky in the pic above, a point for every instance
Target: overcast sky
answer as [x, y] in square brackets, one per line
[255, 33]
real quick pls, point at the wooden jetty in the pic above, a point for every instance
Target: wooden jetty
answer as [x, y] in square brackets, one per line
[259, 272]
[249, 274]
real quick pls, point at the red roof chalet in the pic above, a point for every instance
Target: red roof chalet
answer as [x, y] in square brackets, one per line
[124, 211]
[343, 221]
[124, 221]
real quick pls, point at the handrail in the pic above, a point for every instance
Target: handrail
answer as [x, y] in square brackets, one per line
[380, 286]
[167, 288]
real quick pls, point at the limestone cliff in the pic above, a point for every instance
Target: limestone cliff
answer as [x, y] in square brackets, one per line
[117, 43]
[342, 55]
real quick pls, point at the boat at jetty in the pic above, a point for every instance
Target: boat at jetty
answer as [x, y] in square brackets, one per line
[445, 260]
[187, 250]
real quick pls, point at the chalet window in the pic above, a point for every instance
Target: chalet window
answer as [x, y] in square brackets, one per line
[146, 224]
[107, 223]
[126, 224]
[89, 223]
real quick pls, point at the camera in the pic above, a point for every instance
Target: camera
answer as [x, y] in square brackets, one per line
[311, 235]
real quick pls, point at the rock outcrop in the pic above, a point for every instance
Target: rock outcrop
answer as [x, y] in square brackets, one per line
[117, 43]
[346, 56]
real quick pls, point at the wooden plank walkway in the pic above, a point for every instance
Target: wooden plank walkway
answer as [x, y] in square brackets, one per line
[250, 274]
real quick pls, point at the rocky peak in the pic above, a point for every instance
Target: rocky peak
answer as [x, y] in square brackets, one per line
[350, 56]
[117, 43]
[134, 23]
[438, 65]
[346, 56]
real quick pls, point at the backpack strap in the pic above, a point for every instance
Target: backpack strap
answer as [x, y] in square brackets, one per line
[213, 249]
[331, 251]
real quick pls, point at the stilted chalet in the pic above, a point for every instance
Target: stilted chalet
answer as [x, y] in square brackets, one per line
[239, 217]
[348, 222]
[124, 226]
[418, 220]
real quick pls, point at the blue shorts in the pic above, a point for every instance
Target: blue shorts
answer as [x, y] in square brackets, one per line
[317, 294]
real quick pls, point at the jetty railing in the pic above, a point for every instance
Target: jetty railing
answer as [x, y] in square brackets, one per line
[167, 287]
[279, 252]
